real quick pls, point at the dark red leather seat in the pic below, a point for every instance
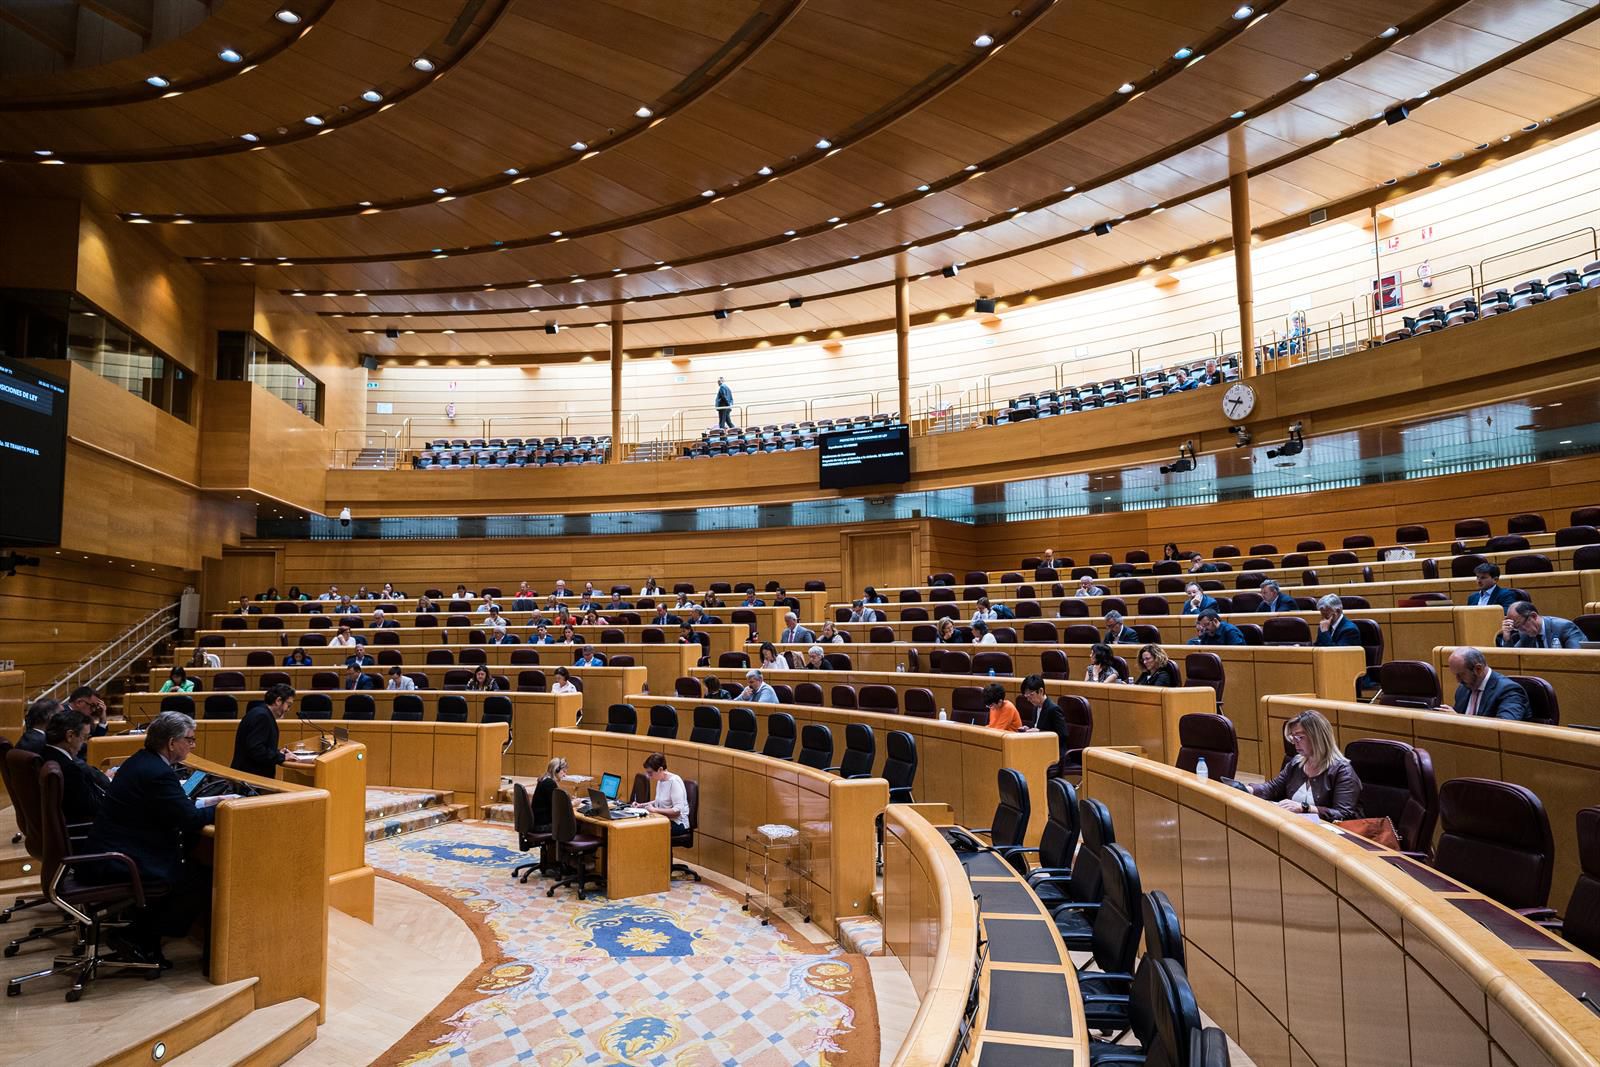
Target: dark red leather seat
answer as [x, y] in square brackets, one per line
[1472, 528]
[1397, 781]
[1497, 840]
[1205, 668]
[1211, 738]
[1408, 683]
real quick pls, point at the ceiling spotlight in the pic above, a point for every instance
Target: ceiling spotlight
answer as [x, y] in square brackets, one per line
[1390, 32]
[796, 301]
[552, 327]
[1125, 88]
[252, 138]
[643, 112]
[952, 270]
[392, 333]
[424, 64]
[1183, 53]
[555, 233]
[372, 96]
[922, 188]
[708, 192]
[1243, 12]
[1397, 114]
[764, 171]
[1310, 76]
[511, 171]
[1102, 228]
[228, 55]
[580, 146]
[983, 40]
[824, 144]
[720, 313]
[158, 81]
[287, 17]
[877, 204]
[43, 152]
[314, 120]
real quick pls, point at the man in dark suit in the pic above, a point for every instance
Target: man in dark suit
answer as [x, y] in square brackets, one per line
[724, 404]
[1117, 631]
[87, 702]
[1335, 629]
[1489, 591]
[1484, 693]
[1524, 627]
[146, 816]
[663, 617]
[1273, 598]
[793, 633]
[1047, 717]
[1210, 628]
[356, 678]
[1198, 564]
[503, 637]
[255, 742]
[381, 621]
[34, 722]
[1196, 600]
[82, 786]
[361, 659]
[688, 635]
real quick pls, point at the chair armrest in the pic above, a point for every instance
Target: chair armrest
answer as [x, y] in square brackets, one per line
[1072, 905]
[1539, 915]
[1109, 976]
[134, 881]
[901, 794]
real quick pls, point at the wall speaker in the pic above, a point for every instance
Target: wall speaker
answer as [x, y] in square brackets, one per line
[1398, 113]
[720, 313]
[984, 305]
[551, 327]
[796, 301]
[392, 333]
[1102, 228]
[369, 362]
[951, 271]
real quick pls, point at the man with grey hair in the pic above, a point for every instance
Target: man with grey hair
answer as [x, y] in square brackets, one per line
[1273, 597]
[757, 689]
[146, 816]
[1524, 627]
[1335, 629]
[34, 723]
[1482, 692]
[1117, 632]
[793, 633]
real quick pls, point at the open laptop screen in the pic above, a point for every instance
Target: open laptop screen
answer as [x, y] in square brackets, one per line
[609, 784]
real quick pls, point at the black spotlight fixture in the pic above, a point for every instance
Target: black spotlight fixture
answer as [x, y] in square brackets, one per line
[1295, 445]
[796, 301]
[1102, 228]
[720, 313]
[392, 333]
[552, 327]
[1241, 436]
[1397, 114]
[952, 270]
[1185, 461]
[370, 362]
[984, 305]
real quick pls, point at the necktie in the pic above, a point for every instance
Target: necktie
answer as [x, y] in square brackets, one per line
[1472, 702]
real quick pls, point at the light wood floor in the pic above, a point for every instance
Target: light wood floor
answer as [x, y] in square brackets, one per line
[897, 1004]
[385, 978]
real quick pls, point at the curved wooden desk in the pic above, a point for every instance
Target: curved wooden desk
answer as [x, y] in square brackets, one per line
[742, 790]
[1574, 673]
[1310, 946]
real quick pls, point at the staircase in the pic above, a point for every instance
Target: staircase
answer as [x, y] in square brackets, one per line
[652, 451]
[500, 811]
[373, 459]
[392, 811]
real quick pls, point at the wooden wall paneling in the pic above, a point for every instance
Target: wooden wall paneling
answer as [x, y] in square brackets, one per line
[236, 572]
[880, 556]
[155, 293]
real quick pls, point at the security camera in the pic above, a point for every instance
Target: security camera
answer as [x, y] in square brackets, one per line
[1185, 461]
[1292, 447]
[344, 516]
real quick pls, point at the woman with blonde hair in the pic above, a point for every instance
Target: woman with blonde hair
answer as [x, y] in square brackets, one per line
[947, 632]
[1319, 779]
[1158, 670]
[548, 783]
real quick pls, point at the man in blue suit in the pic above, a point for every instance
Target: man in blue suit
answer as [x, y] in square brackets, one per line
[1489, 591]
[356, 678]
[1484, 693]
[1273, 598]
[1524, 627]
[724, 404]
[1197, 600]
[1210, 628]
[1335, 629]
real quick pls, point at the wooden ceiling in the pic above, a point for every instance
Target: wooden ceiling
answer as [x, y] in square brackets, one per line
[570, 162]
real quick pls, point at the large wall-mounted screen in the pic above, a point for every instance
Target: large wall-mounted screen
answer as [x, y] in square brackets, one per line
[877, 455]
[33, 455]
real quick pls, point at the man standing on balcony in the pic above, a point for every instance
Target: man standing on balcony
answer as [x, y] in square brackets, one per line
[724, 404]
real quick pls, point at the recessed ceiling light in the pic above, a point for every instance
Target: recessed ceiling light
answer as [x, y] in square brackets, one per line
[1310, 76]
[228, 55]
[43, 152]
[511, 171]
[834, 218]
[252, 138]
[372, 96]
[555, 233]
[788, 233]
[983, 40]
[1390, 32]
[1237, 115]
[643, 112]
[314, 120]
[923, 188]
[1243, 12]
[423, 63]
[708, 192]
[1125, 87]
[439, 190]
[1183, 53]
[824, 144]
[287, 17]
[580, 146]
[158, 81]
[764, 171]
[1070, 189]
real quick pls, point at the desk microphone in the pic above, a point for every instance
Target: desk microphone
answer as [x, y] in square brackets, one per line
[322, 736]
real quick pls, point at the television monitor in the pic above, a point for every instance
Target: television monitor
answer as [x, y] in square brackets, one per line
[33, 455]
[865, 455]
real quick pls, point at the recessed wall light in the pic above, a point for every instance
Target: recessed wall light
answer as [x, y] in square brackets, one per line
[287, 17]
[708, 192]
[824, 144]
[1390, 32]
[789, 233]
[1183, 53]
[764, 171]
[252, 138]
[983, 40]
[314, 120]
[439, 190]
[1310, 76]
[1243, 12]
[877, 203]
[1125, 88]
[1237, 115]
[923, 188]
[43, 152]
[642, 112]
[158, 81]
[372, 96]
[580, 146]
[424, 64]
[228, 55]
[513, 171]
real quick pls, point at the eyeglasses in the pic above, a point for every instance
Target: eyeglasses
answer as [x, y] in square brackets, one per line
[190, 738]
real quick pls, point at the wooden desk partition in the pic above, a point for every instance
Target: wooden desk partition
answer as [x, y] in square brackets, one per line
[342, 774]
[13, 697]
[957, 765]
[740, 791]
[1574, 673]
[1251, 672]
[930, 923]
[1559, 764]
[1312, 948]
[1124, 715]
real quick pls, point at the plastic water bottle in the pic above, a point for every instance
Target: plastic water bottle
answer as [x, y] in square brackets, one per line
[942, 715]
[1201, 770]
[900, 668]
[991, 672]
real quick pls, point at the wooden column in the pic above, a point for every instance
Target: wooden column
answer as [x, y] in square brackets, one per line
[902, 343]
[616, 386]
[1244, 281]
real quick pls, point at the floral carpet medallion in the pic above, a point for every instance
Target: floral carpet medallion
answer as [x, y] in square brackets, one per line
[677, 979]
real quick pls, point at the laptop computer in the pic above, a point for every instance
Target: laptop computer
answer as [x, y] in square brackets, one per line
[610, 785]
[191, 783]
[599, 806]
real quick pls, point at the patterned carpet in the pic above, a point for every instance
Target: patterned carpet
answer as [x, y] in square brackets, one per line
[679, 979]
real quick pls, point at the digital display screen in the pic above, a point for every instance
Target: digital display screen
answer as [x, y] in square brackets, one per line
[33, 455]
[877, 455]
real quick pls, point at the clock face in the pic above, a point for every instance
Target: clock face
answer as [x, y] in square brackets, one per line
[1239, 401]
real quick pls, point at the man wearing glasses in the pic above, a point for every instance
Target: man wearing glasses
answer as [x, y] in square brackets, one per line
[146, 816]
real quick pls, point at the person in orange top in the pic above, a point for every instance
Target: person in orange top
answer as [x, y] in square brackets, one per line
[1002, 713]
